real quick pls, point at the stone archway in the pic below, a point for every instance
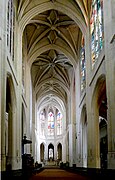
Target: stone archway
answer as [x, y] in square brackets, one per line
[10, 117]
[102, 102]
[99, 122]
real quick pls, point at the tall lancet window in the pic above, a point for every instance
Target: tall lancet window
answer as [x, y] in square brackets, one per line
[59, 123]
[10, 27]
[96, 29]
[42, 123]
[82, 65]
[50, 123]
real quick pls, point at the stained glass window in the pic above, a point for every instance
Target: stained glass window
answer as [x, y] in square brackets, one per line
[82, 65]
[96, 28]
[51, 153]
[59, 123]
[42, 123]
[10, 28]
[50, 123]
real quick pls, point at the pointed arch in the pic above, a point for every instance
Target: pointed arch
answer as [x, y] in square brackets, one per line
[70, 11]
[99, 109]
[11, 119]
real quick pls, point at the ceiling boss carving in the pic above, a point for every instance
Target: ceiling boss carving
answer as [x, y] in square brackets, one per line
[53, 1]
[52, 64]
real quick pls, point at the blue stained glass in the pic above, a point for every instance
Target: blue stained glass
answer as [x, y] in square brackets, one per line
[59, 114]
[59, 123]
[52, 125]
[96, 28]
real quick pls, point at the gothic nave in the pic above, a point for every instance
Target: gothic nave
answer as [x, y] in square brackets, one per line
[57, 85]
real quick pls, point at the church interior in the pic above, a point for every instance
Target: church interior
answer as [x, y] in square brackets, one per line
[57, 84]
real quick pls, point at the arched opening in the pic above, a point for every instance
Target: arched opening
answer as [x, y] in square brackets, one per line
[50, 152]
[9, 123]
[100, 123]
[59, 152]
[84, 136]
[42, 152]
[102, 101]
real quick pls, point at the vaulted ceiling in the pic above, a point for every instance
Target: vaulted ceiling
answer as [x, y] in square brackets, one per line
[53, 30]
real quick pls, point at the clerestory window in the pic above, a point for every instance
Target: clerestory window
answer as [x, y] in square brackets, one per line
[96, 29]
[82, 66]
[10, 28]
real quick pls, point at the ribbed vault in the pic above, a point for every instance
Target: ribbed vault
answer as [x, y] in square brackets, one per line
[53, 31]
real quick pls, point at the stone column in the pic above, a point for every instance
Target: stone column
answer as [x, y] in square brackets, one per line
[77, 127]
[91, 136]
[72, 123]
[19, 95]
[70, 145]
[2, 84]
[109, 31]
[55, 151]
[46, 152]
[3, 102]
[33, 123]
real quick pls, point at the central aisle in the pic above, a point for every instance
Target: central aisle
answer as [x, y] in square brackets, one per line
[57, 174]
